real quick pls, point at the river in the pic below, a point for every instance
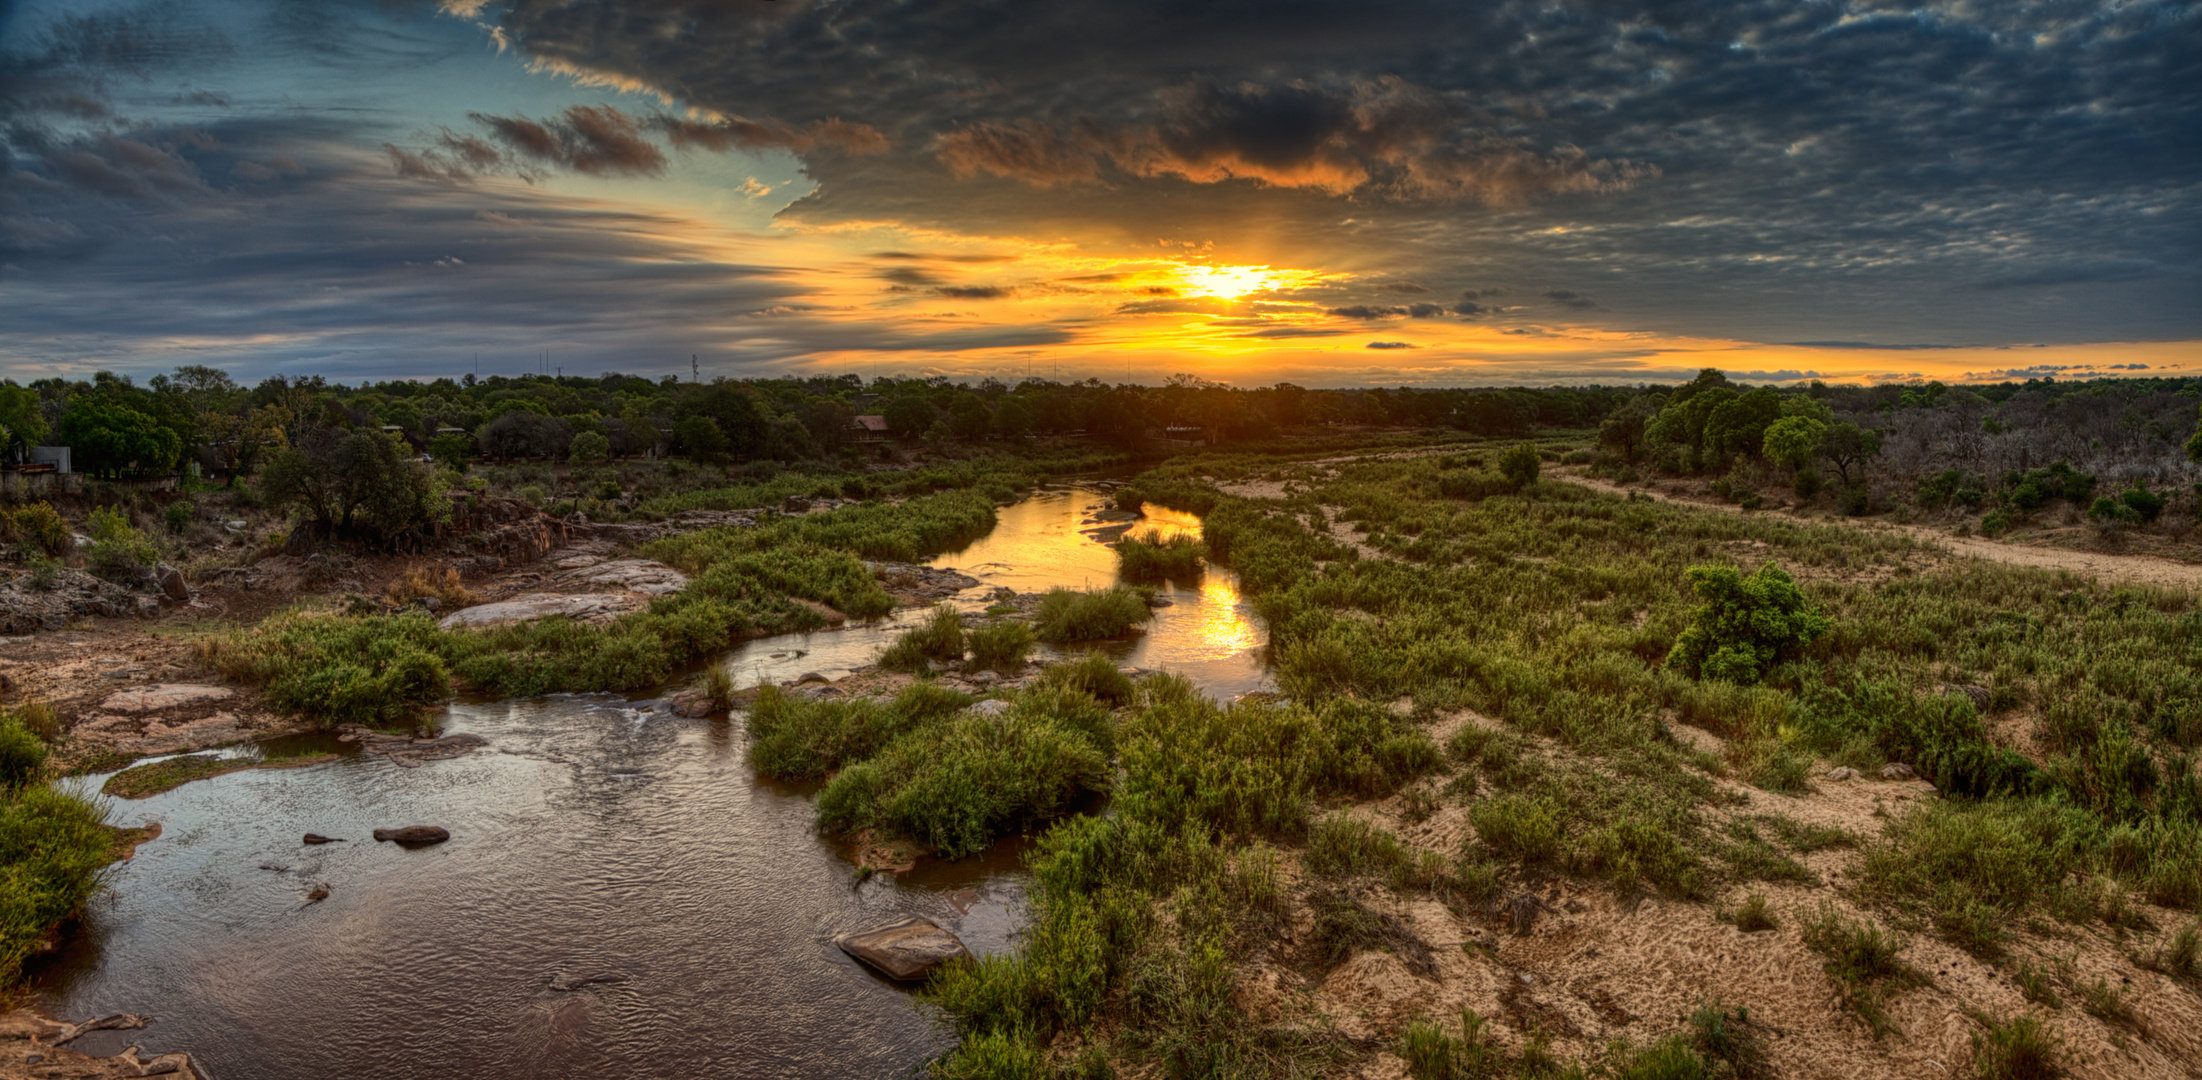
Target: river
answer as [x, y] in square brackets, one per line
[596, 836]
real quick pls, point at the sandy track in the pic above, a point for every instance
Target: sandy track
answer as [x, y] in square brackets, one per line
[2132, 569]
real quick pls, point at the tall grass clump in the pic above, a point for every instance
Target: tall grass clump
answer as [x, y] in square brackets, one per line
[2022, 1048]
[22, 754]
[442, 583]
[1865, 961]
[974, 778]
[1093, 674]
[794, 739]
[54, 847]
[333, 669]
[939, 639]
[1148, 556]
[1068, 615]
[1001, 646]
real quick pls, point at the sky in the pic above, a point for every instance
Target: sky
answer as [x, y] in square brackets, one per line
[1332, 194]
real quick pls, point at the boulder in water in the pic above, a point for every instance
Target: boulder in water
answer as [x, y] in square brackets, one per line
[317, 838]
[906, 950]
[412, 835]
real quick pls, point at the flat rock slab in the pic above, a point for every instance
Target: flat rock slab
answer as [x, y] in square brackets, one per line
[634, 575]
[906, 950]
[587, 607]
[156, 698]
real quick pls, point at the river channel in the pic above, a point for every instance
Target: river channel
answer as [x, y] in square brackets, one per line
[599, 843]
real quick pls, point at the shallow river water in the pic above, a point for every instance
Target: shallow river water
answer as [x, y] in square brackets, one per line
[596, 836]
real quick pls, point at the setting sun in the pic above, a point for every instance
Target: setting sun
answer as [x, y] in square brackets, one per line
[1227, 282]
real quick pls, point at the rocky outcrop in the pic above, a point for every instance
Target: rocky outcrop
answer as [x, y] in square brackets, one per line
[164, 696]
[407, 751]
[907, 950]
[47, 600]
[414, 835]
[633, 575]
[587, 607]
[913, 581]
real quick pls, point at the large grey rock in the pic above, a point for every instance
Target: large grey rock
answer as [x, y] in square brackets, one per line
[163, 696]
[633, 575]
[906, 950]
[171, 581]
[587, 607]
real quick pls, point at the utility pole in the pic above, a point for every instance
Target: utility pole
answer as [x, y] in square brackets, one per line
[695, 374]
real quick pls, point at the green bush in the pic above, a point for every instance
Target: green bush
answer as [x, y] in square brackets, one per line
[336, 670]
[940, 638]
[54, 848]
[1000, 647]
[1742, 625]
[1093, 674]
[119, 552]
[22, 754]
[2024, 1048]
[975, 778]
[1067, 615]
[1149, 556]
[37, 524]
[1520, 465]
[2145, 504]
[792, 739]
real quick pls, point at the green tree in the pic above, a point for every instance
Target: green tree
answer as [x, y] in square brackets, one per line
[2194, 442]
[452, 451]
[1743, 624]
[1624, 431]
[1847, 446]
[113, 440]
[589, 448]
[700, 438]
[22, 420]
[1793, 440]
[1520, 464]
[1738, 424]
[359, 484]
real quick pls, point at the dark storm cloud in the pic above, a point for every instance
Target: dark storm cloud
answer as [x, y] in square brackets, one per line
[1407, 287]
[973, 292]
[1570, 299]
[1877, 152]
[1367, 311]
[1389, 345]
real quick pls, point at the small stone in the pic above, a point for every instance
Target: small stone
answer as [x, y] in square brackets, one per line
[1897, 770]
[318, 893]
[990, 707]
[411, 835]
[811, 677]
[1842, 772]
[317, 838]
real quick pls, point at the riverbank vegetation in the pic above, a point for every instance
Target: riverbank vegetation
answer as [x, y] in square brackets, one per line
[1149, 556]
[1564, 637]
[54, 849]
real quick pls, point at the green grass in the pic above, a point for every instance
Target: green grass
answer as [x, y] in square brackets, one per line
[2022, 1048]
[54, 847]
[958, 786]
[1071, 615]
[1149, 557]
[146, 781]
[745, 583]
[1865, 960]
[1001, 646]
[937, 640]
[794, 739]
